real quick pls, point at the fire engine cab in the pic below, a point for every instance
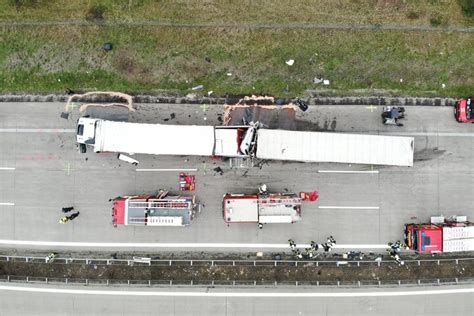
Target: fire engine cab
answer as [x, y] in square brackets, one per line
[464, 110]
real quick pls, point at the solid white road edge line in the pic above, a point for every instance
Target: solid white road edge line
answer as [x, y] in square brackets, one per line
[37, 130]
[348, 171]
[350, 207]
[227, 293]
[173, 245]
[166, 170]
[6, 168]
[7, 204]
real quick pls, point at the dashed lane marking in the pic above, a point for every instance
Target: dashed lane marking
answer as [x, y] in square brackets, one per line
[177, 169]
[350, 207]
[37, 130]
[348, 171]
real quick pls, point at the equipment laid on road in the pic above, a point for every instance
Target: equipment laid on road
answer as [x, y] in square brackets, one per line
[250, 141]
[464, 110]
[158, 210]
[187, 182]
[450, 234]
[262, 208]
[392, 114]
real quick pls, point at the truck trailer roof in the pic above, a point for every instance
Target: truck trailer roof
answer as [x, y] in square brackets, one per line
[334, 147]
[157, 139]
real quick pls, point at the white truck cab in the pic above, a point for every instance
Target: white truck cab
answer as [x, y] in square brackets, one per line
[85, 132]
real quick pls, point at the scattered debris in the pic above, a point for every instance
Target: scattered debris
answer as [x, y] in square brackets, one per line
[64, 115]
[107, 47]
[127, 159]
[286, 89]
[302, 105]
[401, 80]
[172, 116]
[229, 74]
[199, 87]
[69, 91]
[210, 92]
[443, 85]
[290, 62]
[219, 170]
[207, 59]
[317, 80]
[326, 82]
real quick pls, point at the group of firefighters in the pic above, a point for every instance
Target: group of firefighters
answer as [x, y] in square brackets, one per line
[309, 253]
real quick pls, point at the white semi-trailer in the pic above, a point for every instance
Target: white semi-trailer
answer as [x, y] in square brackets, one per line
[243, 141]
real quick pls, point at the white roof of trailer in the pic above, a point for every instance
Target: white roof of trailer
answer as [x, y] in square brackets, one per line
[334, 147]
[226, 142]
[155, 139]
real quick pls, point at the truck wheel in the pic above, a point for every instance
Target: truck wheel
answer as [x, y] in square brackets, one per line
[82, 148]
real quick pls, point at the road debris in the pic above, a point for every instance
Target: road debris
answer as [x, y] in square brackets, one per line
[199, 87]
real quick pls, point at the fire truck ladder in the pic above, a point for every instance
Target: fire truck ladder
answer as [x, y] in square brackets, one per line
[159, 204]
[294, 200]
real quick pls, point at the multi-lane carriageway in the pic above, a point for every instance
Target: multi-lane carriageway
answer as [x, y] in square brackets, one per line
[362, 206]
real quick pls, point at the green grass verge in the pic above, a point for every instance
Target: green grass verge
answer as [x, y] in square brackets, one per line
[147, 59]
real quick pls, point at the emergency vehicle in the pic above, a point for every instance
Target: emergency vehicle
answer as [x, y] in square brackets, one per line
[442, 234]
[158, 210]
[464, 110]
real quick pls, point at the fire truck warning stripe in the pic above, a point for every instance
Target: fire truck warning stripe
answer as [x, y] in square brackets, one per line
[33, 243]
[218, 293]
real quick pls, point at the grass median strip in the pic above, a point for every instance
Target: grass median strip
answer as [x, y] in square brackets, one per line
[238, 60]
[308, 272]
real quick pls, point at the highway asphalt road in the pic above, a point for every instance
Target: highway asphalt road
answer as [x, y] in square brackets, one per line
[41, 171]
[330, 303]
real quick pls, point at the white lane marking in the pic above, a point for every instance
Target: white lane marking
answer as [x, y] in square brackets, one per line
[141, 170]
[210, 293]
[348, 171]
[442, 134]
[8, 204]
[350, 207]
[6, 168]
[172, 245]
[37, 130]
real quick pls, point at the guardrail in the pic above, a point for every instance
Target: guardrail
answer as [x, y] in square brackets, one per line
[224, 262]
[233, 283]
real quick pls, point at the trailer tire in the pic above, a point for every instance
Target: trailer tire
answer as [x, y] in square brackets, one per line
[82, 148]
